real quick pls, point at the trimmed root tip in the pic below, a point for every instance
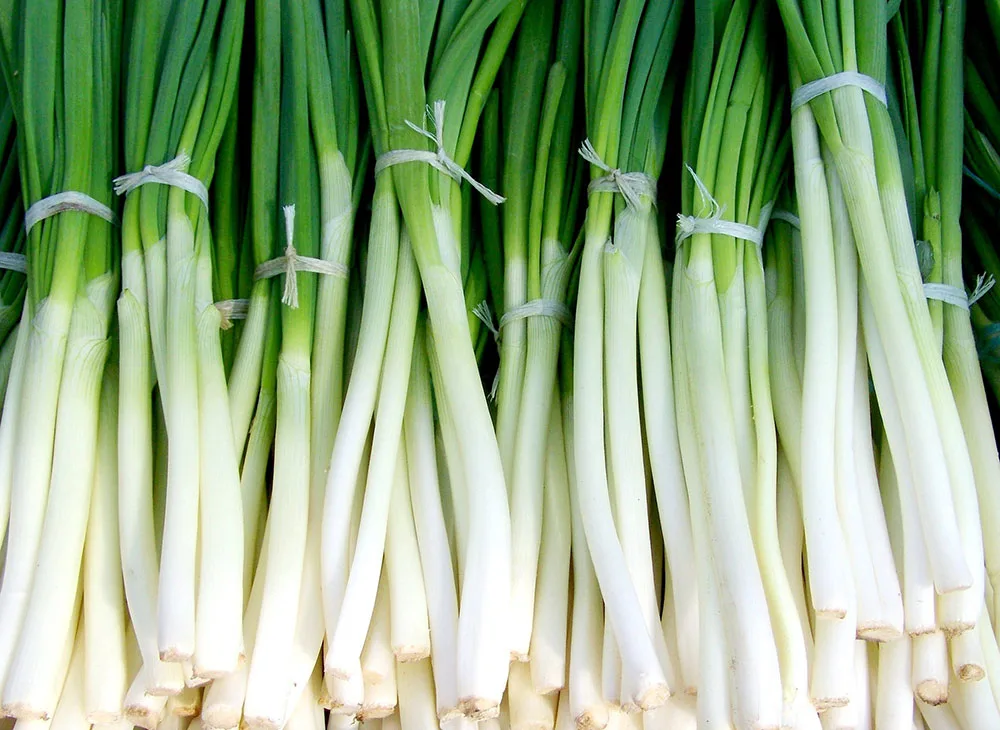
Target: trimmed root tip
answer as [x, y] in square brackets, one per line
[955, 628]
[479, 708]
[411, 653]
[217, 717]
[932, 692]
[448, 713]
[971, 673]
[595, 718]
[652, 696]
[880, 632]
[828, 703]
[833, 614]
[375, 712]
[143, 717]
[24, 711]
[175, 655]
[337, 672]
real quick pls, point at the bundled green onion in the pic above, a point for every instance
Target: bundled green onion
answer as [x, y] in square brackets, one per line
[183, 67]
[751, 664]
[627, 49]
[60, 65]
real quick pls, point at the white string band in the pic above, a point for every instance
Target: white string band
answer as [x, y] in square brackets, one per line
[689, 225]
[291, 262]
[13, 262]
[439, 160]
[955, 295]
[787, 216]
[173, 173]
[807, 92]
[63, 202]
[232, 309]
[538, 308]
[631, 185]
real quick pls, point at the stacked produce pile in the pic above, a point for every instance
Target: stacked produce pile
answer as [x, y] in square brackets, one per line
[349, 373]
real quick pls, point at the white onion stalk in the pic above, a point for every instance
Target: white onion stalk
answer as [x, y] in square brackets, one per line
[583, 686]
[791, 538]
[32, 467]
[9, 419]
[136, 531]
[622, 264]
[245, 376]
[432, 533]
[52, 608]
[714, 695]
[411, 639]
[787, 628]
[354, 615]
[70, 713]
[551, 615]
[343, 696]
[611, 673]
[893, 693]
[899, 489]
[140, 707]
[872, 511]
[529, 710]
[829, 569]
[415, 686]
[106, 670]
[176, 608]
[624, 608]
[832, 680]
[309, 624]
[453, 480]
[378, 663]
[219, 617]
[222, 705]
[748, 630]
[330, 316]
[308, 713]
[359, 403]
[786, 383]
[253, 486]
[483, 650]
[664, 454]
[931, 669]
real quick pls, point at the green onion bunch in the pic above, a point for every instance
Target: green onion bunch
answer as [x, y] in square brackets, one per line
[61, 69]
[185, 593]
[735, 145]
